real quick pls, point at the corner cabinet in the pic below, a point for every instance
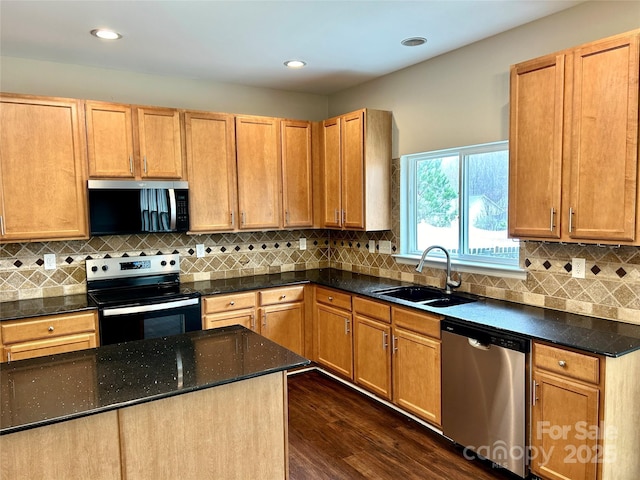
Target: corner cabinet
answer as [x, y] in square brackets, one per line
[126, 141]
[574, 144]
[356, 171]
[42, 169]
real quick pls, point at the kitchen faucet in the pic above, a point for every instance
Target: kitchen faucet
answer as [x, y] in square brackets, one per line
[449, 283]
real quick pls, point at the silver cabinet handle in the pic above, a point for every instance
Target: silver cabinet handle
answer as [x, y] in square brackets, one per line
[282, 297]
[385, 344]
[130, 164]
[241, 218]
[232, 303]
[335, 215]
[571, 212]
[562, 363]
[8, 356]
[286, 217]
[253, 321]
[331, 299]
[144, 162]
[264, 319]
[344, 217]
[534, 395]
[395, 344]
[51, 328]
[2, 232]
[346, 326]
[552, 223]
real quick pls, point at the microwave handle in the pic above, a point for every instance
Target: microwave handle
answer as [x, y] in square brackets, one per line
[172, 209]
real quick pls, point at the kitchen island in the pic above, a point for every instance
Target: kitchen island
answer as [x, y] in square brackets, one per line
[207, 404]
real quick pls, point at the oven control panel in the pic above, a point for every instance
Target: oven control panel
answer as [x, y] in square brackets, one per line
[111, 268]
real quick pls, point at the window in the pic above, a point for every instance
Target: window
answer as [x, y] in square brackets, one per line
[458, 198]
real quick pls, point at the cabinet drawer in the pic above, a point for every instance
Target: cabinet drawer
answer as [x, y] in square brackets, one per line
[274, 296]
[567, 363]
[421, 322]
[223, 303]
[47, 327]
[332, 297]
[372, 309]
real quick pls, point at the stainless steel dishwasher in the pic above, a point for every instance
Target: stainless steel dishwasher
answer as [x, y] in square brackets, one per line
[484, 392]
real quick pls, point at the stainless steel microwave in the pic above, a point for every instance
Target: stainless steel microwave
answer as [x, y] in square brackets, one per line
[129, 206]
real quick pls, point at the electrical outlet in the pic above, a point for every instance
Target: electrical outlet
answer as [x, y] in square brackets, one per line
[372, 246]
[303, 243]
[578, 267]
[200, 250]
[385, 246]
[49, 261]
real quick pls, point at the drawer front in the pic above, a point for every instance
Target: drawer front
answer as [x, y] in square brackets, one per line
[224, 303]
[47, 327]
[567, 363]
[332, 297]
[422, 322]
[372, 309]
[274, 296]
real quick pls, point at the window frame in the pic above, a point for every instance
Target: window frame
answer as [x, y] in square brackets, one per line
[409, 253]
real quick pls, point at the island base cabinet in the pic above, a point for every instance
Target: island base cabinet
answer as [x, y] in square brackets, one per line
[80, 449]
[233, 431]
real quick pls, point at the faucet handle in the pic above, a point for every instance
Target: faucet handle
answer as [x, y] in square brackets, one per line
[454, 283]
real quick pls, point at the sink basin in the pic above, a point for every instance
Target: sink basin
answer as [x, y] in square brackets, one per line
[425, 296]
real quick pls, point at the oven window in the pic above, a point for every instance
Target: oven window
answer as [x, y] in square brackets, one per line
[163, 326]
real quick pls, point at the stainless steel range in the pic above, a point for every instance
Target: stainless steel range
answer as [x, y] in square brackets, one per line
[141, 297]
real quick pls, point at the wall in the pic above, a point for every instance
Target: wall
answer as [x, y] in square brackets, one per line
[462, 98]
[36, 77]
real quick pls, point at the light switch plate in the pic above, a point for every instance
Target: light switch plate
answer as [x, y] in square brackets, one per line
[385, 246]
[303, 244]
[200, 250]
[372, 246]
[49, 261]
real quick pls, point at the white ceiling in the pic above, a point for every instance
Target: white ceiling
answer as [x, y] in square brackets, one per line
[344, 43]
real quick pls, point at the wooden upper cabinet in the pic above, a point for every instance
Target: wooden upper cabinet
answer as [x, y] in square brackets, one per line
[259, 172]
[297, 190]
[211, 164]
[110, 140]
[356, 170]
[125, 141]
[604, 140]
[42, 169]
[574, 144]
[535, 150]
[160, 142]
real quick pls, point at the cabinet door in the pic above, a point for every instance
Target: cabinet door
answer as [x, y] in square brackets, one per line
[563, 414]
[416, 374]
[297, 190]
[334, 340]
[259, 172]
[160, 142]
[352, 138]
[109, 140]
[40, 348]
[211, 163]
[284, 325]
[535, 150]
[246, 318]
[372, 356]
[42, 170]
[332, 174]
[604, 141]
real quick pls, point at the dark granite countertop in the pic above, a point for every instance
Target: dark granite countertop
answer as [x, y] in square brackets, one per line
[45, 390]
[604, 337]
[36, 307]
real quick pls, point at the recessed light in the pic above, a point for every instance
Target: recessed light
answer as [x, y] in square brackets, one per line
[294, 63]
[413, 41]
[105, 34]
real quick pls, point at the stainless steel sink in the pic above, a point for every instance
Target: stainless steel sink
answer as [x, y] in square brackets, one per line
[425, 296]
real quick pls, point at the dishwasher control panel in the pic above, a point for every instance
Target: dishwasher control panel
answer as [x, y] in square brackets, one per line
[487, 335]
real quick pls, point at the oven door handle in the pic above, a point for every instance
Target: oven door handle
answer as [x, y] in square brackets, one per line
[154, 307]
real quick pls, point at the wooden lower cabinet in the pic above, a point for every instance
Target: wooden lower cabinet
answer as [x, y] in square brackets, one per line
[48, 335]
[372, 356]
[284, 324]
[416, 374]
[334, 339]
[233, 309]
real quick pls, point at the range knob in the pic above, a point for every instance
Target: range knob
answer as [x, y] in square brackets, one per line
[172, 262]
[104, 268]
[163, 263]
[94, 269]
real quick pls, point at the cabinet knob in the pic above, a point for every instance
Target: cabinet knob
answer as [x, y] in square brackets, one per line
[331, 299]
[51, 328]
[282, 297]
[232, 303]
[562, 363]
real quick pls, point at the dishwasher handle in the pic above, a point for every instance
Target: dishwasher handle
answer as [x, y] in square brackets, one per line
[478, 344]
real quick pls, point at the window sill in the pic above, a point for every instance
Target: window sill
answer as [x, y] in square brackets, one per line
[495, 270]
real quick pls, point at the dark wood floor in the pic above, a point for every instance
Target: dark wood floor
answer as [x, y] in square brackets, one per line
[337, 433]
